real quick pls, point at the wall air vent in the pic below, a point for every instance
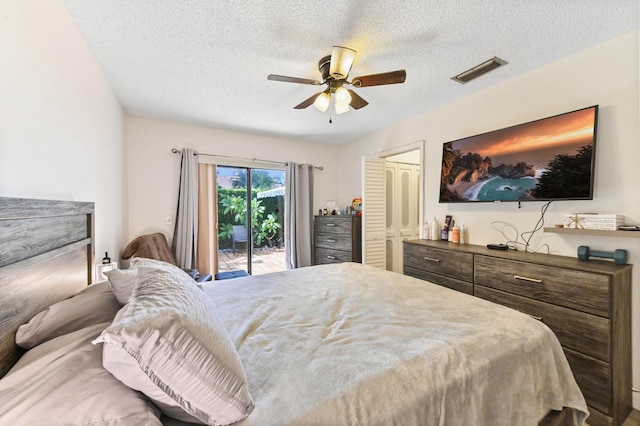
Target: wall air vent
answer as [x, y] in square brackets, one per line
[478, 70]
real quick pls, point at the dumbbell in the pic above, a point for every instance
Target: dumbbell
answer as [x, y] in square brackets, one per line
[619, 256]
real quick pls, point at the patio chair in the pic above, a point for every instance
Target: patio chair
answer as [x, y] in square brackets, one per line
[239, 236]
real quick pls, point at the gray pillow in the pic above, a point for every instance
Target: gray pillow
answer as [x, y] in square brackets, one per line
[93, 305]
[63, 382]
[168, 343]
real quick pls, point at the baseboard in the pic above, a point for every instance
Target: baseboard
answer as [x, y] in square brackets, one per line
[633, 419]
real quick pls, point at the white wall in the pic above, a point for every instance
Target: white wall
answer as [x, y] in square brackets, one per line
[61, 126]
[606, 75]
[154, 171]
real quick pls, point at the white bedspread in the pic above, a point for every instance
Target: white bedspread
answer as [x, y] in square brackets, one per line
[348, 344]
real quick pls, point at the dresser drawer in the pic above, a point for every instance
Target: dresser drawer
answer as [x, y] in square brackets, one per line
[323, 256]
[438, 261]
[333, 241]
[575, 330]
[593, 378]
[584, 291]
[452, 283]
[333, 225]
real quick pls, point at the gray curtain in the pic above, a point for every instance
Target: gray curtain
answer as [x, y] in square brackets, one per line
[298, 215]
[185, 234]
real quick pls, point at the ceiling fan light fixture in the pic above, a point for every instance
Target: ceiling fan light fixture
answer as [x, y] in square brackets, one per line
[322, 101]
[334, 70]
[479, 70]
[341, 61]
[342, 96]
[341, 109]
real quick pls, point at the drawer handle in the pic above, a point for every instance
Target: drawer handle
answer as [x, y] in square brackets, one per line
[331, 224]
[331, 257]
[531, 280]
[330, 240]
[535, 317]
[432, 259]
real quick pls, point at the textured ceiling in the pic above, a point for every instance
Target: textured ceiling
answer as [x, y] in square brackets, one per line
[206, 62]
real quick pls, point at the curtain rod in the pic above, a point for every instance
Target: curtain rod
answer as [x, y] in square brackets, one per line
[176, 151]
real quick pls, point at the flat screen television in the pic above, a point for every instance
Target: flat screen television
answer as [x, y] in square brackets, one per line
[544, 160]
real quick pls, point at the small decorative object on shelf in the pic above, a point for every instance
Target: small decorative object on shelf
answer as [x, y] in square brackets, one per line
[604, 222]
[105, 266]
[356, 206]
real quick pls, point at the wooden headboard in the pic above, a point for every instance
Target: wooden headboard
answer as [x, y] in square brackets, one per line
[46, 255]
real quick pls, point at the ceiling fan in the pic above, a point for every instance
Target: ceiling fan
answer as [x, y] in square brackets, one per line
[335, 69]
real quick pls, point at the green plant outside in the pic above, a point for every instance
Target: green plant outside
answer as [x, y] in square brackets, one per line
[266, 217]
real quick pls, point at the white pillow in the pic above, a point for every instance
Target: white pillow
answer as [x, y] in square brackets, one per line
[168, 343]
[136, 262]
[63, 382]
[123, 280]
[93, 305]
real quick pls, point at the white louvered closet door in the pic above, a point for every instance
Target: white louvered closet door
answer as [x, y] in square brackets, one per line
[373, 212]
[402, 210]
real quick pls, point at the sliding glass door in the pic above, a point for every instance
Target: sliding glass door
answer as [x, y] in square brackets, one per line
[250, 219]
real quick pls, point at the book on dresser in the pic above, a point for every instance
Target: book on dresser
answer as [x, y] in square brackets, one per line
[586, 303]
[337, 239]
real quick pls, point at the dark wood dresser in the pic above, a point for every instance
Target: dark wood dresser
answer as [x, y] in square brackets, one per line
[337, 239]
[587, 304]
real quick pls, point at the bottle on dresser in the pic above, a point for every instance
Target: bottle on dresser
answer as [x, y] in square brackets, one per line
[455, 234]
[434, 230]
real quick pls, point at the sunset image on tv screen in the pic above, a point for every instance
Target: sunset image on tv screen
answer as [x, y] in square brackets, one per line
[547, 159]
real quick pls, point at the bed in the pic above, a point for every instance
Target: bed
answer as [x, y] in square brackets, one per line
[331, 344]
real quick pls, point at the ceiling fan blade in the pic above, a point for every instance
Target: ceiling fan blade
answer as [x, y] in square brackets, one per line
[391, 77]
[356, 100]
[286, 79]
[307, 102]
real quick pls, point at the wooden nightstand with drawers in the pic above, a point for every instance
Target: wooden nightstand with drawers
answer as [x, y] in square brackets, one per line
[337, 239]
